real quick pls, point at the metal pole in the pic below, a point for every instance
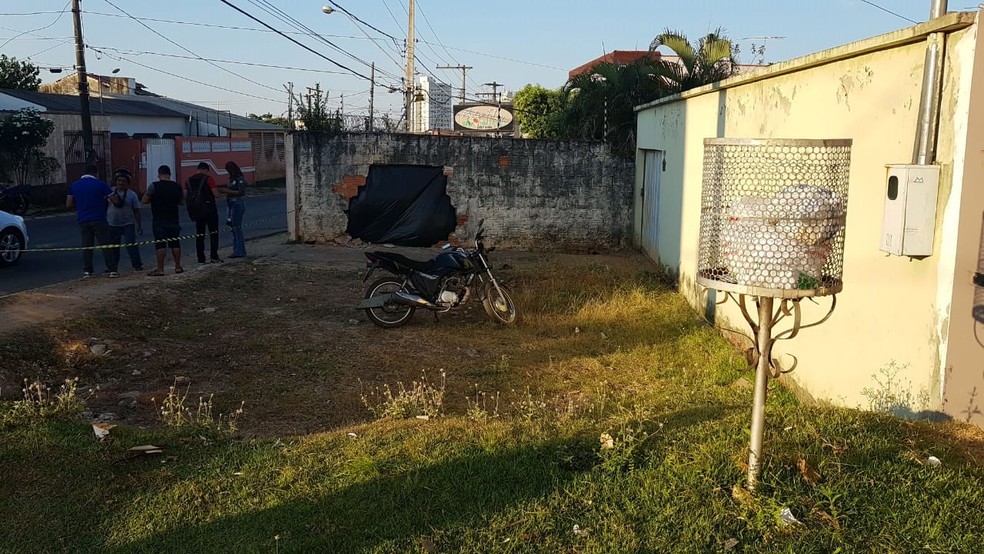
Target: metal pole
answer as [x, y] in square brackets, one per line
[372, 90]
[761, 389]
[90, 153]
[409, 75]
[290, 105]
[924, 151]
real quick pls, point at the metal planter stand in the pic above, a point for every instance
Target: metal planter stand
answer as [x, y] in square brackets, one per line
[773, 213]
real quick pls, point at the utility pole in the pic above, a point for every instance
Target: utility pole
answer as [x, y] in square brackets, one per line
[409, 75]
[372, 90]
[464, 71]
[290, 105]
[90, 153]
[495, 90]
[498, 107]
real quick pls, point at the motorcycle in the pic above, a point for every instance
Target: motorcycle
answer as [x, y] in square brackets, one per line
[15, 200]
[444, 283]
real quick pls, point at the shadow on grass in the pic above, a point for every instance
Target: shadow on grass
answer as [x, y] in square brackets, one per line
[393, 510]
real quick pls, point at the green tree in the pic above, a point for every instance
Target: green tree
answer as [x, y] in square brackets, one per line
[534, 105]
[18, 75]
[271, 119]
[710, 59]
[312, 109]
[22, 135]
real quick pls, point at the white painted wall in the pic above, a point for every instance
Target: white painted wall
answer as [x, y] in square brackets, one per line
[131, 124]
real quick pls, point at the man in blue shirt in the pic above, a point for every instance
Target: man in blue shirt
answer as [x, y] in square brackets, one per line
[89, 196]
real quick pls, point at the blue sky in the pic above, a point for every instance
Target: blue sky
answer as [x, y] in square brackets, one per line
[511, 42]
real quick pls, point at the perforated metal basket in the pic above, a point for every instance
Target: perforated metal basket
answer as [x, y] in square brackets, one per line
[772, 217]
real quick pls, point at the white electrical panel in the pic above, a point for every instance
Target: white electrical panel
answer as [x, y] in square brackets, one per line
[909, 224]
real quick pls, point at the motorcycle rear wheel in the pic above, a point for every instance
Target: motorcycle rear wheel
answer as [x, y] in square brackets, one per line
[392, 314]
[499, 307]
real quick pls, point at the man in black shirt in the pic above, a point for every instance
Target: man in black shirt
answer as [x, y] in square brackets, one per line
[164, 197]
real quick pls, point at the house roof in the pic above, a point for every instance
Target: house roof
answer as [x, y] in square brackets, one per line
[620, 57]
[67, 103]
[225, 119]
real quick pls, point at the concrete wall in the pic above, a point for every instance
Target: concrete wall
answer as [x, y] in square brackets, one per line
[893, 310]
[532, 193]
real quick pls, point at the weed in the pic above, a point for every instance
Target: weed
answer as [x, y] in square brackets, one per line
[174, 412]
[890, 395]
[485, 406]
[421, 399]
[39, 402]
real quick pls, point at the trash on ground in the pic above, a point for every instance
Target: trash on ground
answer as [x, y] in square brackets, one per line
[786, 516]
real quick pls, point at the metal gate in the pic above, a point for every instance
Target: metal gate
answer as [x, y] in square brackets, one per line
[160, 151]
[652, 171]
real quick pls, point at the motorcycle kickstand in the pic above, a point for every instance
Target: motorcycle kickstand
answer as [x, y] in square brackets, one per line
[436, 319]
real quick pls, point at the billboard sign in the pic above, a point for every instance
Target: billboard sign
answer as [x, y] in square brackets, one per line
[483, 117]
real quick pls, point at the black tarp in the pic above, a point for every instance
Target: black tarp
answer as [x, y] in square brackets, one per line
[405, 205]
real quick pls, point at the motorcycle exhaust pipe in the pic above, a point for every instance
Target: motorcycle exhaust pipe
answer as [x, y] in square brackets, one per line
[399, 297]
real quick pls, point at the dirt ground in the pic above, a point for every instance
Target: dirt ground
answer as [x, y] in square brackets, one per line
[278, 331]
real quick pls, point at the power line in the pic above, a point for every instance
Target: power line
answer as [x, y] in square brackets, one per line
[356, 21]
[122, 58]
[188, 50]
[302, 45]
[353, 16]
[293, 22]
[886, 10]
[215, 26]
[60, 14]
[237, 62]
[429, 26]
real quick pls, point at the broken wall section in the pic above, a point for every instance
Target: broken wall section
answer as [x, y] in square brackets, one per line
[533, 194]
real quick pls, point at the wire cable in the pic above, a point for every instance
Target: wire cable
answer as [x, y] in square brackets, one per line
[293, 22]
[57, 19]
[188, 50]
[122, 58]
[213, 25]
[237, 62]
[301, 44]
[886, 10]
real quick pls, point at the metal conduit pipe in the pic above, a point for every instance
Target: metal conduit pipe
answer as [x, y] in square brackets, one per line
[924, 151]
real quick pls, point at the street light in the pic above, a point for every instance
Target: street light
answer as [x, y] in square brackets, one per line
[327, 9]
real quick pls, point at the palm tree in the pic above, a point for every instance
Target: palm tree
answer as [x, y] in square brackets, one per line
[598, 104]
[710, 60]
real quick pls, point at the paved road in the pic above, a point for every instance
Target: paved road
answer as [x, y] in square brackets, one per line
[37, 269]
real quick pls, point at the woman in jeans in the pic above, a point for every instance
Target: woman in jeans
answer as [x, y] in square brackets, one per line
[236, 201]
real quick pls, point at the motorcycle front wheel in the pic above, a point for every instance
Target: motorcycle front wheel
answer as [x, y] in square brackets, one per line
[392, 314]
[499, 305]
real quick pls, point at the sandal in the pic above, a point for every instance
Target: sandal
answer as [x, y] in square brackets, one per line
[156, 273]
[179, 270]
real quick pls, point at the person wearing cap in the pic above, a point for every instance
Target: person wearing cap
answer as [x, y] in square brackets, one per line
[123, 216]
[90, 198]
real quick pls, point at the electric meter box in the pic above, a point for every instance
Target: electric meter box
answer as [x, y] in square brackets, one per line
[909, 224]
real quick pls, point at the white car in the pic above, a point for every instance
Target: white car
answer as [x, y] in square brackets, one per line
[13, 238]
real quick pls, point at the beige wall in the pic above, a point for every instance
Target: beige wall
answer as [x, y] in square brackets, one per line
[892, 309]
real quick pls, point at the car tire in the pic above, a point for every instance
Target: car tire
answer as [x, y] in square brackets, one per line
[11, 245]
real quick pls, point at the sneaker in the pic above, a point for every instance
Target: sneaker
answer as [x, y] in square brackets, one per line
[112, 274]
[86, 274]
[229, 222]
[202, 262]
[138, 268]
[216, 260]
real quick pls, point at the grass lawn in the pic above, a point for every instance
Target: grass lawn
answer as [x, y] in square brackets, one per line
[607, 421]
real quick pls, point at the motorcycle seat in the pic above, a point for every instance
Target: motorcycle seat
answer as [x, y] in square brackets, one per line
[427, 266]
